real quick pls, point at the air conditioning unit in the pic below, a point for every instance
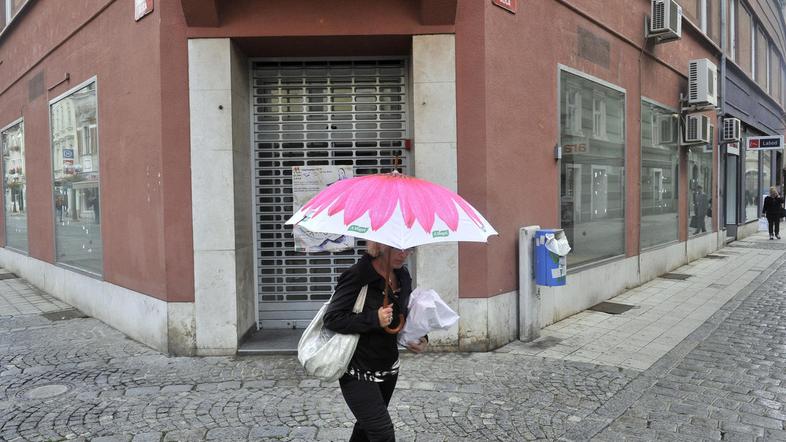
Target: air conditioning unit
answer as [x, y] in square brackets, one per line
[702, 82]
[666, 20]
[732, 129]
[697, 129]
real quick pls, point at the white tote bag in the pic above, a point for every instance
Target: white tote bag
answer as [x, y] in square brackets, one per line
[763, 224]
[324, 353]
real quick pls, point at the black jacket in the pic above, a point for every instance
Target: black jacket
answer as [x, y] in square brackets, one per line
[377, 350]
[772, 206]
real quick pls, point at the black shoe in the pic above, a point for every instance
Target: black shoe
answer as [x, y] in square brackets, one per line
[771, 237]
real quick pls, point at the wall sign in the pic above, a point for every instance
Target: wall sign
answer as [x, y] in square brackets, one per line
[508, 5]
[764, 143]
[733, 149]
[142, 8]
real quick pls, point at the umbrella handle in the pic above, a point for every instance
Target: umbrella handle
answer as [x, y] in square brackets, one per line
[401, 320]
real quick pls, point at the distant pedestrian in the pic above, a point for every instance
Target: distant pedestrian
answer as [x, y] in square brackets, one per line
[371, 377]
[773, 209]
[700, 209]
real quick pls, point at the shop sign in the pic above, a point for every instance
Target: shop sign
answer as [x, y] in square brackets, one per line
[508, 5]
[765, 143]
[733, 149]
[142, 8]
[575, 148]
[88, 164]
[68, 153]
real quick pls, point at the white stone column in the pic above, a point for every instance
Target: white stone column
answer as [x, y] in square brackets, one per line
[435, 160]
[212, 195]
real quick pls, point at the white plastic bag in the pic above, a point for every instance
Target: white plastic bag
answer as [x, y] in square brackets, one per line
[557, 244]
[763, 225]
[324, 353]
[427, 312]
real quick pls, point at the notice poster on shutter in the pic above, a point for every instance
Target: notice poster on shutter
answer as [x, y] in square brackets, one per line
[307, 181]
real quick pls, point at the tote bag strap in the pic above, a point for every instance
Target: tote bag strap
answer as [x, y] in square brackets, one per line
[361, 300]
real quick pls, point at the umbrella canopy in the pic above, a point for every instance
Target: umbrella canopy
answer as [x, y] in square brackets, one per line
[393, 209]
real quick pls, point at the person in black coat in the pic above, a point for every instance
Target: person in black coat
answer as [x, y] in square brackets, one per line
[371, 377]
[773, 206]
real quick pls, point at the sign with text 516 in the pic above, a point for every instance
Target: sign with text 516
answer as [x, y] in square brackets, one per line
[774, 142]
[510, 5]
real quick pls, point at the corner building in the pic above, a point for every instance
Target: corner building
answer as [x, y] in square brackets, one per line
[148, 150]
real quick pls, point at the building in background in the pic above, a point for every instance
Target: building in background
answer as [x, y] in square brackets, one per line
[200, 110]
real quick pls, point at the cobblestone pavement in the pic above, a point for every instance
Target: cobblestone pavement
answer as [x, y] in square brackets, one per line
[727, 381]
[78, 379]
[106, 387]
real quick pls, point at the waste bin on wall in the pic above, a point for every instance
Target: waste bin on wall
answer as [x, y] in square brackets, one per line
[551, 250]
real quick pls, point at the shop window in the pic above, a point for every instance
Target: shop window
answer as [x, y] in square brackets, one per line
[699, 190]
[744, 45]
[766, 173]
[659, 175]
[12, 140]
[751, 184]
[762, 58]
[76, 195]
[592, 168]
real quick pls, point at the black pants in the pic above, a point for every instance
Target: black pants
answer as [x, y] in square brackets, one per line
[369, 401]
[774, 223]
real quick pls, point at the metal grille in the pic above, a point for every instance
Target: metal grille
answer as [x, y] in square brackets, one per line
[350, 113]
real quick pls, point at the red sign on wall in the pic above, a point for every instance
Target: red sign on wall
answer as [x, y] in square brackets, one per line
[510, 5]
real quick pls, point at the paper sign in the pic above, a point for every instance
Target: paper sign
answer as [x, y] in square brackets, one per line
[306, 183]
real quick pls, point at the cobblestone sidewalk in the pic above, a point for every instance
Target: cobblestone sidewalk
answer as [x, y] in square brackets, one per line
[77, 379]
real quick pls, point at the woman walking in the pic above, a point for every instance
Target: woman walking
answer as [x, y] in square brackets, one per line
[773, 206]
[371, 377]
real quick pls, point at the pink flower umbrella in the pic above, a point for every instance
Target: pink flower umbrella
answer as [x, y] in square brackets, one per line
[394, 209]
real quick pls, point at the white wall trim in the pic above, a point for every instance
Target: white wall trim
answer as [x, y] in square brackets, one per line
[212, 174]
[436, 160]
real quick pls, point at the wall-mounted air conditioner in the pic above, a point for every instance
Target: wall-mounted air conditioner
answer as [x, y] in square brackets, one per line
[697, 129]
[666, 20]
[702, 82]
[732, 129]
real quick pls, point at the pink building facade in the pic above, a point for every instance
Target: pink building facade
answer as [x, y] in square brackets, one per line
[149, 149]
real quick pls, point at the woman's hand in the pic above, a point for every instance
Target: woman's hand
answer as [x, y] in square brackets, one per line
[385, 315]
[418, 346]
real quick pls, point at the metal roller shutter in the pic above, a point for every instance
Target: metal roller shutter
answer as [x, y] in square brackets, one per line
[349, 113]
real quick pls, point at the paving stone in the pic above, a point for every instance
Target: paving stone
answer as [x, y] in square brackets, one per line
[223, 434]
[154, 436]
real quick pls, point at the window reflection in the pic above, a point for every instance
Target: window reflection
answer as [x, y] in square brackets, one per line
[76, 196]
[592, 177]
[15, 186]
[659, 175]
[751, 185]
[699, 190]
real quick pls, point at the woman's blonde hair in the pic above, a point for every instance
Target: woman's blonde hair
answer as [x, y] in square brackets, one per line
[773, 191]
[376, 249]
